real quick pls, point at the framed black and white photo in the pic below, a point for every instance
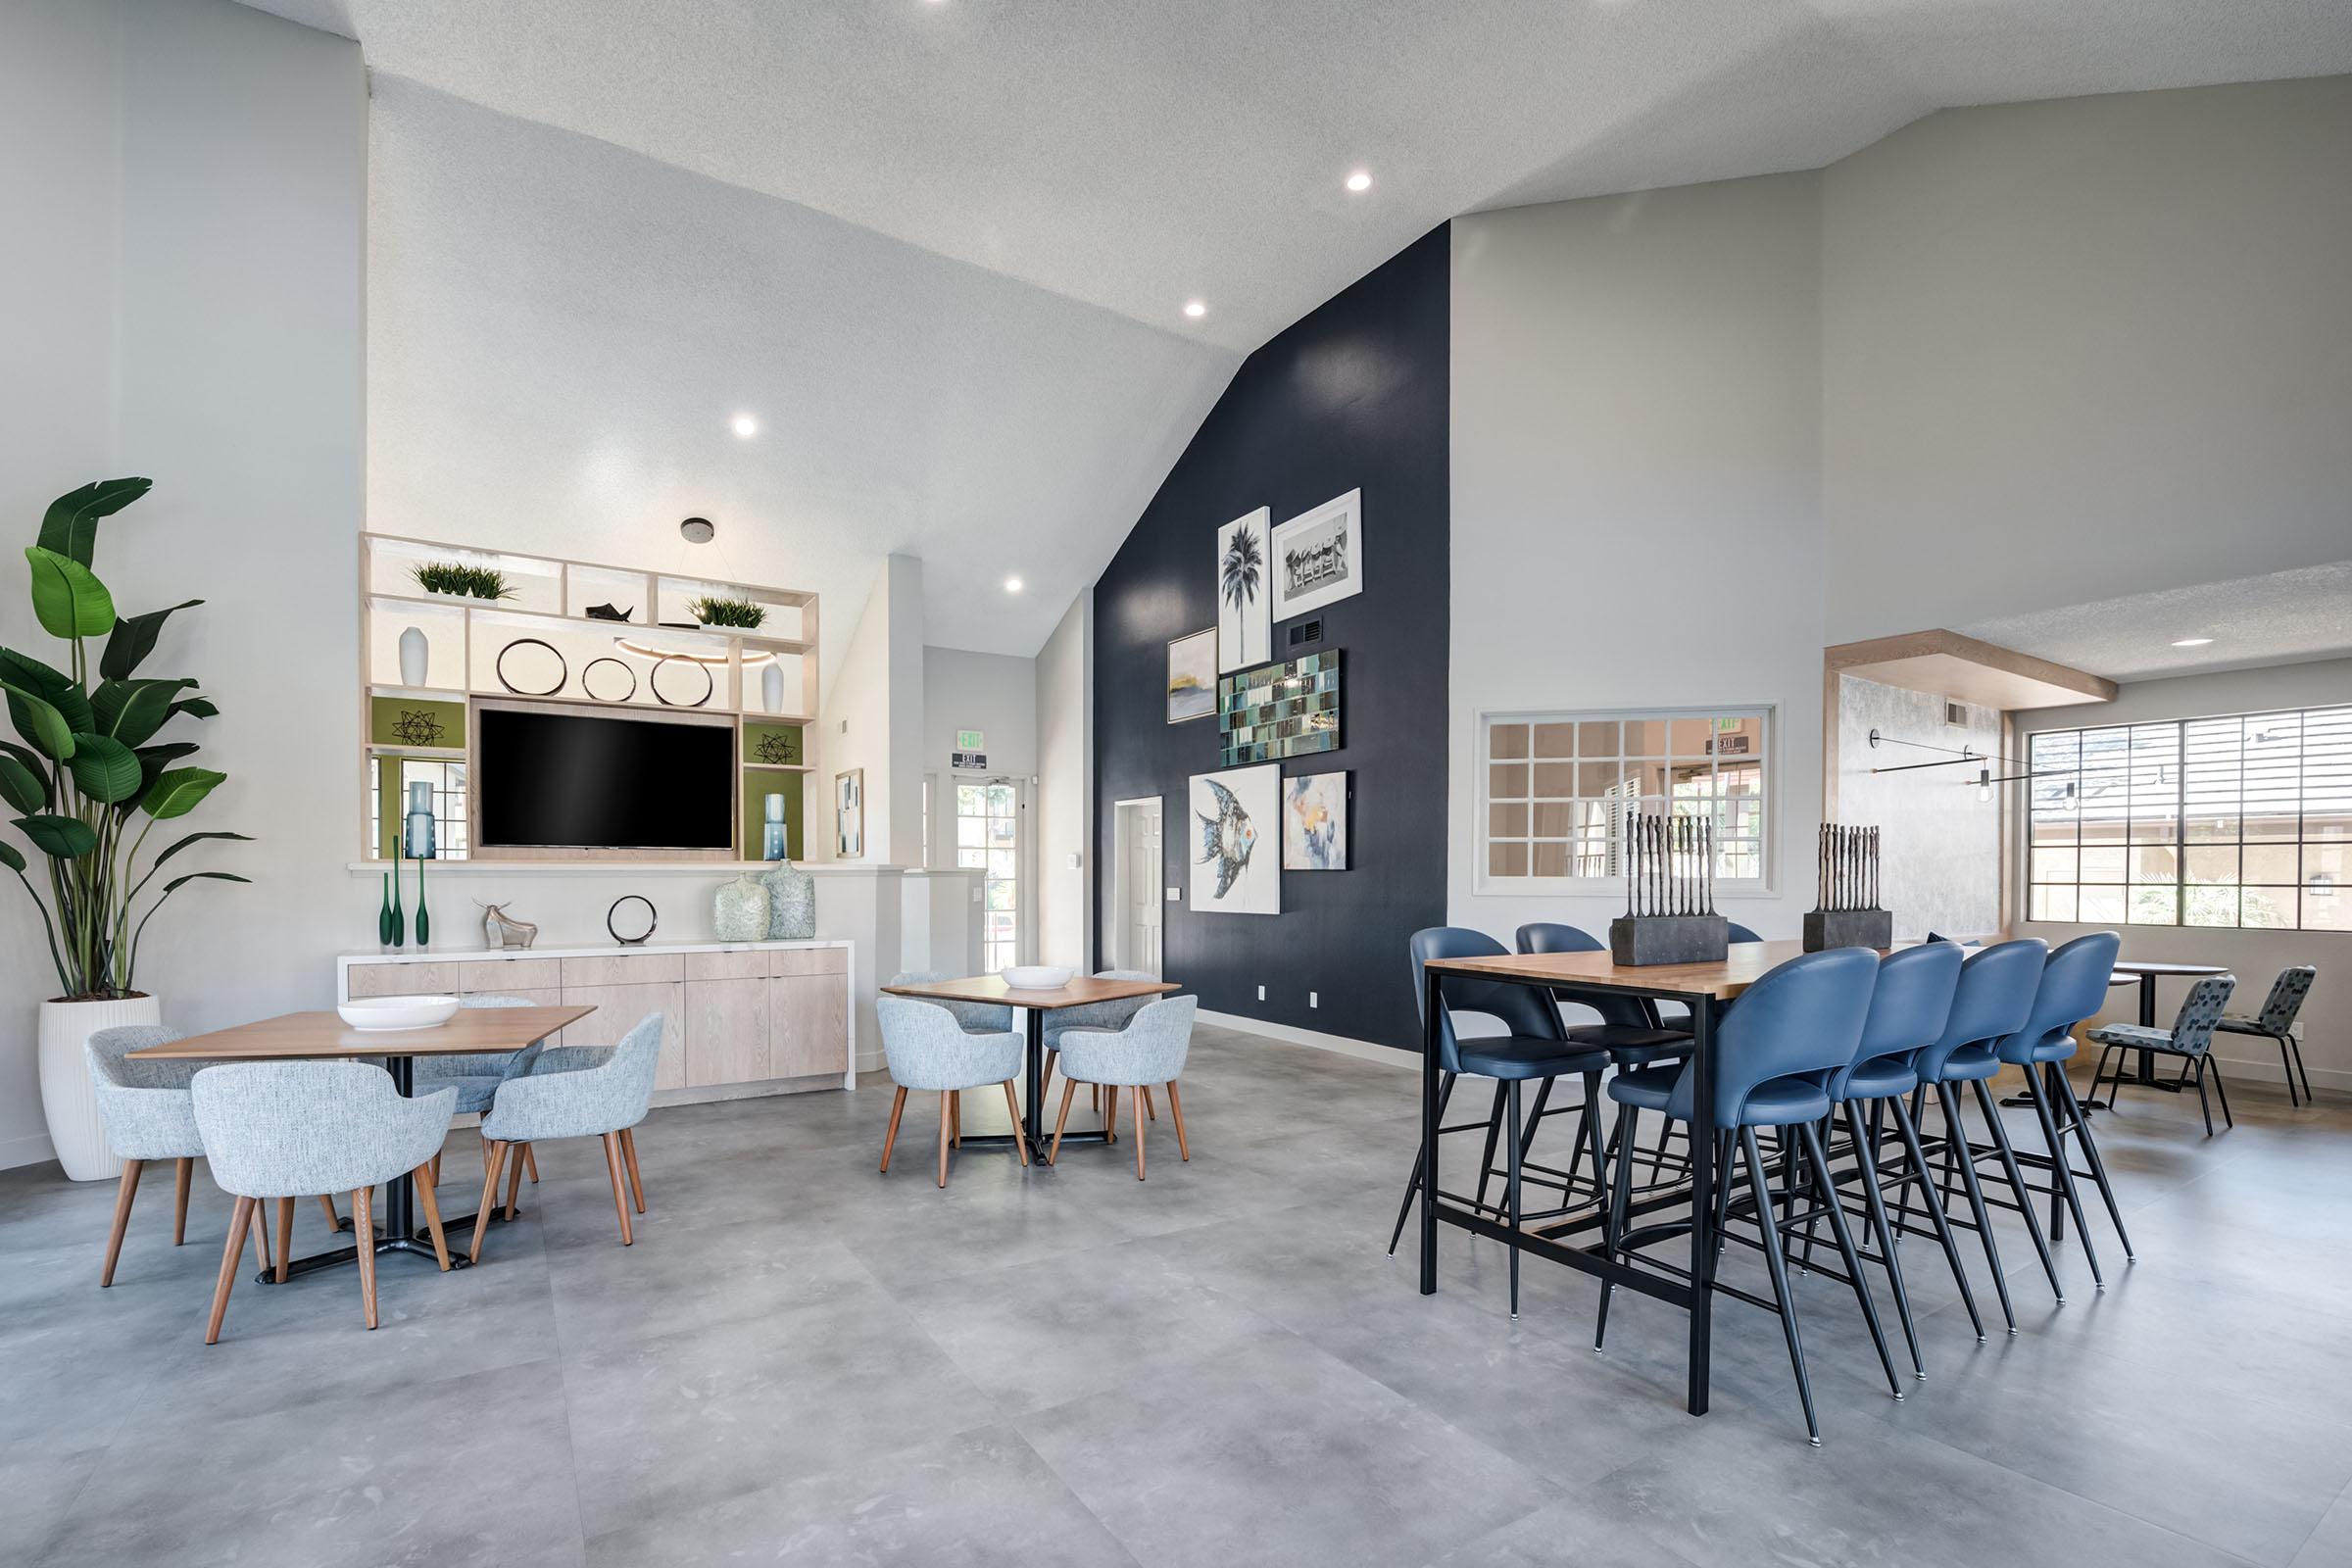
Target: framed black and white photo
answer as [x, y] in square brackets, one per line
[1318, 556]
[1244, 632]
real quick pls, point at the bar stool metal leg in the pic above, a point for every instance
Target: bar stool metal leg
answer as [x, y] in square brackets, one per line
[2062, 1167]
[1874, 1202]
[1777, 1266]
[1933, 1200]
[1828, 1195]
[2090, 1150]
[2017, 1185]
[1957, 1138]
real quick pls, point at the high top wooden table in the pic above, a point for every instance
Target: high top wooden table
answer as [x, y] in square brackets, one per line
[314, 1036]
[992, 991]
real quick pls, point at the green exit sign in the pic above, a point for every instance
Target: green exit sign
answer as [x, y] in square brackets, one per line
[969, 740]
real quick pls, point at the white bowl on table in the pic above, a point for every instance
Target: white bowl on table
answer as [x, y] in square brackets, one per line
[375, 1013]
[1038, 976]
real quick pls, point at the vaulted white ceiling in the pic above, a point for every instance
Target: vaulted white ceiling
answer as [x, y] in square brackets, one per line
[1118, 159]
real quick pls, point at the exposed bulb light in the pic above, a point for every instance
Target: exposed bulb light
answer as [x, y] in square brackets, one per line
[1013, 585]
[1195, 309]
[1359, 181]
[2191, 642]
[744, 425]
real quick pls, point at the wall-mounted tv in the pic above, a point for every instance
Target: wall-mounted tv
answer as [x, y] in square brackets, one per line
[558, 778]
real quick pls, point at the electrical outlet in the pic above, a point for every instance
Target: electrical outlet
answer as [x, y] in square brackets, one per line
[1311, 1001]
[1262, 993]
[1175, 896]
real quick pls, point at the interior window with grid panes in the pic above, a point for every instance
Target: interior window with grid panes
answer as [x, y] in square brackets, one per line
[1559, 786]
[988, 840]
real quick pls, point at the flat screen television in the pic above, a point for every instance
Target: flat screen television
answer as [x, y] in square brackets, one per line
[567, 780]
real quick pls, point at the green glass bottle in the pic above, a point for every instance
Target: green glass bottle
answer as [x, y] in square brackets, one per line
[383, 917]
[400, 924]
[424, 921]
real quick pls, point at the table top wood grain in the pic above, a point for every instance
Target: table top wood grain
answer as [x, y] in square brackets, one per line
[296, 1035]
[989, 988]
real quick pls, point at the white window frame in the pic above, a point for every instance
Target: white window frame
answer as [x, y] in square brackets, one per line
[1484, 881]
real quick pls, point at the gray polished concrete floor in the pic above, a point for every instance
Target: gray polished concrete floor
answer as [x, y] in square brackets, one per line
[802, 1361]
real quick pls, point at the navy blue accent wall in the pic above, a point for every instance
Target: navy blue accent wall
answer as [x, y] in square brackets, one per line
[1352, 396]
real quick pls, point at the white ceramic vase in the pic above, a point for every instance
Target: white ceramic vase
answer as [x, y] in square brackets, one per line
[68, 1101]
[415, 656]
[772, 687]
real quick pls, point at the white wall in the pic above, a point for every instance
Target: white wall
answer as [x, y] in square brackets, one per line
[871, 718]
[2255, 956]
[1940, 860]
[995, 694]
[2086, 348]
[1066, 788]
[1637, 490]
[183, 262]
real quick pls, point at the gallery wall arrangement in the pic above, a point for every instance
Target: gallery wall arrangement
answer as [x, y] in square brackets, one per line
[1303, 531]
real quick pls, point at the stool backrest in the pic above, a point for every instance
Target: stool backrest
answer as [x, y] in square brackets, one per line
[1740, 933]
[1520, 1010]
[2073, 987]
[2201, 1011]
[1802, 1019]
[2285, 999]
[1550, 936]
[1909, 1004]
[1991, 1001]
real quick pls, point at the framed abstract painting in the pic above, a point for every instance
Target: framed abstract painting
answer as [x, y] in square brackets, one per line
[1193, 675]
[1315, 822]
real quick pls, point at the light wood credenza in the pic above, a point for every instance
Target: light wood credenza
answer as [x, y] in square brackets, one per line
[736, 1017]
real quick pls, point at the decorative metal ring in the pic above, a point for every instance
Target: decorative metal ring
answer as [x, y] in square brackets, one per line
[607, 658]
[499, 666]
[652, 680]
[653, 919]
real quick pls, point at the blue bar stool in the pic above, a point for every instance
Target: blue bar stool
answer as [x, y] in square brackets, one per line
[1531, 1048]
[1776, 1048]
[2073, 987]
[1629, 1029]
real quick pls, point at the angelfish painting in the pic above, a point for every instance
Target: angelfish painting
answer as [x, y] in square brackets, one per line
[1232, 846]
[1315, 822]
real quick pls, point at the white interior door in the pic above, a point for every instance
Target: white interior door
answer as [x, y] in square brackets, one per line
[1139, 883]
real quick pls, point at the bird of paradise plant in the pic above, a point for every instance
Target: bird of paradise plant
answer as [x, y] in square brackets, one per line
[91, 781]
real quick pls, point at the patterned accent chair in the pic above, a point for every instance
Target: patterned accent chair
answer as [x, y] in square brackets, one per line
[926, 1047]
[1149, 1050]
[2189, 1038]
[576, 1092]
[2277, 1021]
[149, 1115]
[292, 1129]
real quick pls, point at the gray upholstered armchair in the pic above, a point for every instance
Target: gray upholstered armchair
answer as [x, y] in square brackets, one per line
[926, 1047]
[290, 1129]
[1093, 1016]
[478, 1076]
[149, 1115]
[1150, 1049]
[577, 1091]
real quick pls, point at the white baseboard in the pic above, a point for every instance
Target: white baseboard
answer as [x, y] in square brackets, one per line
[30, 1149]
[1361, 1050]
[2265, 1070]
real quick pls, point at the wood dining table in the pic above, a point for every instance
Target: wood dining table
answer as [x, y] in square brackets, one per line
[990, 991]
[324, 1036]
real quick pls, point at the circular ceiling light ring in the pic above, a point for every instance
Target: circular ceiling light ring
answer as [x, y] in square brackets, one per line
[562, 670]
[652, 680]
[590, 669]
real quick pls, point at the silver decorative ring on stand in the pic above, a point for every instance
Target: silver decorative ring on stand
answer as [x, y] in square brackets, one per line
[590, 668]
[499, 666]
[652, 680]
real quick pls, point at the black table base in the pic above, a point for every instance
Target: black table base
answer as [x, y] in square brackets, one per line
[1033, 1109]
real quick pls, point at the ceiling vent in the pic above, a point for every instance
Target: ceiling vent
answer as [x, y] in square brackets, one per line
[1955, 712]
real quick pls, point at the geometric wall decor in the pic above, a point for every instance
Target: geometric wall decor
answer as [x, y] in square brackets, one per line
[1232, 841]
[1287, 710]
[1315, 822]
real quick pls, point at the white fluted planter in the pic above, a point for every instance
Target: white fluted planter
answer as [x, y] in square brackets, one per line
[67, 1098]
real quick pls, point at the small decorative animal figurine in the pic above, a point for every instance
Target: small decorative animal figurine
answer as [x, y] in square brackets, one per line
[502, 930]
[608, 611]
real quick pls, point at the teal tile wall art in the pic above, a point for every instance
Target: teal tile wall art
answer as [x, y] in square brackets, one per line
[1286, 710]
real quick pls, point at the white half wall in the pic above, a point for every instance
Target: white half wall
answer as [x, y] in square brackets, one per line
[871, 719]
[184, 260]
[1065, 789]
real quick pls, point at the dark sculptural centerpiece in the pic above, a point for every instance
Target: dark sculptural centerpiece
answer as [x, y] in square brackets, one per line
[1669, 893]
[1847, 893]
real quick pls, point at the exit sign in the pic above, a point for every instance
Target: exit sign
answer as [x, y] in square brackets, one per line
[969, 740]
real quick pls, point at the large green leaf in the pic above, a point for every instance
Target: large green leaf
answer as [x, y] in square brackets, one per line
[195, 707]
[32, 762]
[41, 724]
[70, 526]
[177, 792]
[197, 838]
[134, 640]
[67, 598]
[105, 769]
[12, 858]
[132, 711]
[20, 787]
[68, 838]
[52, 686]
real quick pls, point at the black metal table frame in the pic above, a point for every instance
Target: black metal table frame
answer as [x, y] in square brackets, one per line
[1696, 1295]
[399, 1232]
[1033, 1122]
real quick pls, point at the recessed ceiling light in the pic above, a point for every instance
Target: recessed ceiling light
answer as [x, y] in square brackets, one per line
[744, 425]
[1359, 181]
[1013, 585]
[2193, 642]
[1195, 309]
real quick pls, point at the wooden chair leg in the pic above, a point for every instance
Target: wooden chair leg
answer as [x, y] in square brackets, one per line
[620, 1202]
[530, 1162]
[1176, 1113]
[125, 1191]
[326, 1204]
[261, 1239]
[955, 1116]
[890, 1139]
[493, 1155]
[947, 1115]
[286, 1236]
[1149, 1109]
[181, 1171]
[230, 1256]
[1135, 1114]
[628, 1152]
[1012, 1103]
[1110, 1113]
[430, 1201]
[433, 1168]
[1069, 1088]
[514, 1176]
[362, 1217]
